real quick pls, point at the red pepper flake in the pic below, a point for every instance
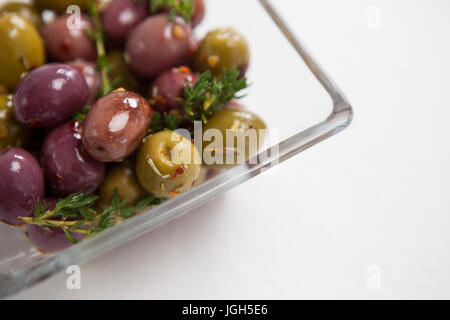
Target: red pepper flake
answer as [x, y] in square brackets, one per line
[33, 123]
[179, 171]
[173, 194]
[178, 32]
[184, 69]
[213, 61]
[158, 101]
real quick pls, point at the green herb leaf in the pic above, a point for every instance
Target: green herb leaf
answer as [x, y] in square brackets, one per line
[183, 8]
[70, 236]
[81, 115]
[76, 214]
[209, 95]
[164, 121]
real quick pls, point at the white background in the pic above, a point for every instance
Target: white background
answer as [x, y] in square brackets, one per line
[375, 195]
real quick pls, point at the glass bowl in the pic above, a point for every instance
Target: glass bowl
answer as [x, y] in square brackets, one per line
[283, 77]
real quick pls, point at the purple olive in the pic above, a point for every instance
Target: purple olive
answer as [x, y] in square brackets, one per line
[116, 125]
[49, 95]
[66, 41]
[120, 16]
[21, 185]
[234, 104]
[188, 59]
[67, 167]
[49, 239]
[91, 76]
[169, 86]
[156, 45]
[199, 12]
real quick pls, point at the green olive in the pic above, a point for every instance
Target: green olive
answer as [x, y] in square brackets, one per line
[231, 137]
[120, 70]
[168, 164]
[122, 178]
[222, 49]
[21, 48]
[24, 10]
[12, 133]
[60, 5]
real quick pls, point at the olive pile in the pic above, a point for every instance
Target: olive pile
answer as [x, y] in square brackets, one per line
[79, 106]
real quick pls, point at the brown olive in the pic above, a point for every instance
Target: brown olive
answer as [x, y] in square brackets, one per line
[65, 42]
[116, 125]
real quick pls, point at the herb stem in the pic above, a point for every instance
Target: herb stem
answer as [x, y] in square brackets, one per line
[76, 214]
[102, 62]
[40, 221]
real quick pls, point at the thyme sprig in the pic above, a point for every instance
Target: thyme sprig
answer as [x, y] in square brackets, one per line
[81, 114]
[76, 214]
[209, 94]
[164, 121]
[98, 35]
[183, 8]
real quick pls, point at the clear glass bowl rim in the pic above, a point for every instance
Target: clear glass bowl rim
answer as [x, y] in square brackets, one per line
[339, 118]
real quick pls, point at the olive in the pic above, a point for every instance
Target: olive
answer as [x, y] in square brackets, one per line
[168, 164]
[221, 49]
[122, 178]
[199, 12]
[92, 77]
[49, 95]
[188, 59]
[203, 176]
[237, 137]
[49, 239]
[65, 42]
[234, 104]
[120, 16]
[24, 10]
[21, 48]
[21, 185]
[12, 133]
[157, 44]
[116, 125]
[121, 71]
[169, 86]
[60, 5]
[67, 167]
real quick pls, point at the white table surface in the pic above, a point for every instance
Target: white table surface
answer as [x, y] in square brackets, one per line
[370, 203]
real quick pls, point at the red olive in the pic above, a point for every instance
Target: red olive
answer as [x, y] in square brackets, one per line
[116, 125]
[157, 44]
[66, 42]
[169, 86]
